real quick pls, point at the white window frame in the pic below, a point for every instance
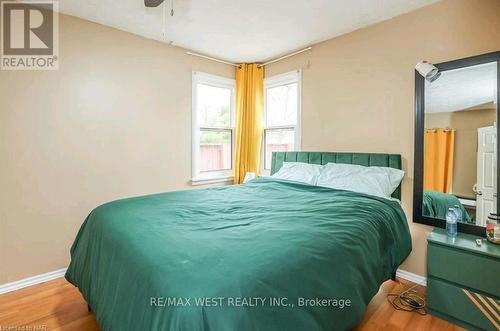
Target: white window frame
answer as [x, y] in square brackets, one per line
[208, 177]
[275, 81]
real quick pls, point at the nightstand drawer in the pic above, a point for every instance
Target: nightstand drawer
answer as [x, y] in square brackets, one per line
[465, 268]
[472, 310]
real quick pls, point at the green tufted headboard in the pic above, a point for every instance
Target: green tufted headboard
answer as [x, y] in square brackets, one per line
[365, 159]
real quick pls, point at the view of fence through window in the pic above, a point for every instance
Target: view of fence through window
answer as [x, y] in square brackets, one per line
[216, 133]
[215, 125]
[281, 120]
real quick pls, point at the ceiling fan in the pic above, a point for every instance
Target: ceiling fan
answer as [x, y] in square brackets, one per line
[153, 3]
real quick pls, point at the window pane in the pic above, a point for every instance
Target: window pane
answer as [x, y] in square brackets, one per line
[281, 105]
[215, 150]
[278, 140]
[213, 106]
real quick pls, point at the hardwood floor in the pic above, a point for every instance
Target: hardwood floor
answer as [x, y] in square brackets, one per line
[57, 305]
[381, 316]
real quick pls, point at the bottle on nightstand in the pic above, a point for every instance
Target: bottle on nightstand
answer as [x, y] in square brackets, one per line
[451, 223]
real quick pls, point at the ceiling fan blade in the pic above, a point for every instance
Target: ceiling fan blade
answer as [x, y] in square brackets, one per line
[152, 3]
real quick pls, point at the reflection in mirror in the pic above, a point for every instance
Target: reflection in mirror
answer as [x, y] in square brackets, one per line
[460, 144]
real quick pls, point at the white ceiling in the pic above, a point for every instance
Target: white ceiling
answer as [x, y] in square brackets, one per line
[462, 89]
[239, 30]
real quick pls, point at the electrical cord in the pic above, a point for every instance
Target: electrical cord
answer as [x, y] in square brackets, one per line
[408, 300]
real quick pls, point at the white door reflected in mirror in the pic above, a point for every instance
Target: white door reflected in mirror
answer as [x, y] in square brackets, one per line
[486, 187]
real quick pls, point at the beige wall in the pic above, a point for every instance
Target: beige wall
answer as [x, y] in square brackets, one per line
[466, 124]
[113, 121]
[358, 89]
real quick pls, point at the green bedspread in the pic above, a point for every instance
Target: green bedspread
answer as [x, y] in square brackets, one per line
[256, 250]
[436, 205]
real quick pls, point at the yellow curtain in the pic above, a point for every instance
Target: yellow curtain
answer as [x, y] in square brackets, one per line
[438, 159]
[249, 113]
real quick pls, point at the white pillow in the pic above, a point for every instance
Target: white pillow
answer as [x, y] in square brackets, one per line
[299, 172]
[378, 181]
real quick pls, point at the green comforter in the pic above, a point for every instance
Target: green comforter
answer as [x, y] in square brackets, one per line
[243, 257]
[436, 205]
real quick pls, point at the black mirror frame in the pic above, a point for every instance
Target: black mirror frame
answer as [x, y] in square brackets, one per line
[418, 216]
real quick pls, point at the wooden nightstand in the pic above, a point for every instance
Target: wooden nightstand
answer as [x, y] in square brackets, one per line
[463, 280]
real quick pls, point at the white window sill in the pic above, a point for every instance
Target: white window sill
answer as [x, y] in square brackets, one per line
[211, 180]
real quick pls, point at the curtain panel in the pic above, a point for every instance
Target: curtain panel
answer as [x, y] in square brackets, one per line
[249, 116]
[438, 159]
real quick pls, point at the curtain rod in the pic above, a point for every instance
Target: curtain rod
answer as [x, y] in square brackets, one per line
[212, 58]
[238, 65]
[285, 57]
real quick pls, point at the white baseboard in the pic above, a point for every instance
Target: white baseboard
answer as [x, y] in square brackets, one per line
[17, 285]
[411, 277]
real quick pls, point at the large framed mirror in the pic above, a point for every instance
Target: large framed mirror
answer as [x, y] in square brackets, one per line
[456, 145]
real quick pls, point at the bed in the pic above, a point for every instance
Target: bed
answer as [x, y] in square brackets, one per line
[266, 255]
[436, 205]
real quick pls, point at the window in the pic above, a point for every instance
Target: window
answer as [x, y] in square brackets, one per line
[213, 127]
[282, 96]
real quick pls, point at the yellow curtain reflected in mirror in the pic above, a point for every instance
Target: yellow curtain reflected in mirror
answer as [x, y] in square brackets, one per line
[438, 159]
